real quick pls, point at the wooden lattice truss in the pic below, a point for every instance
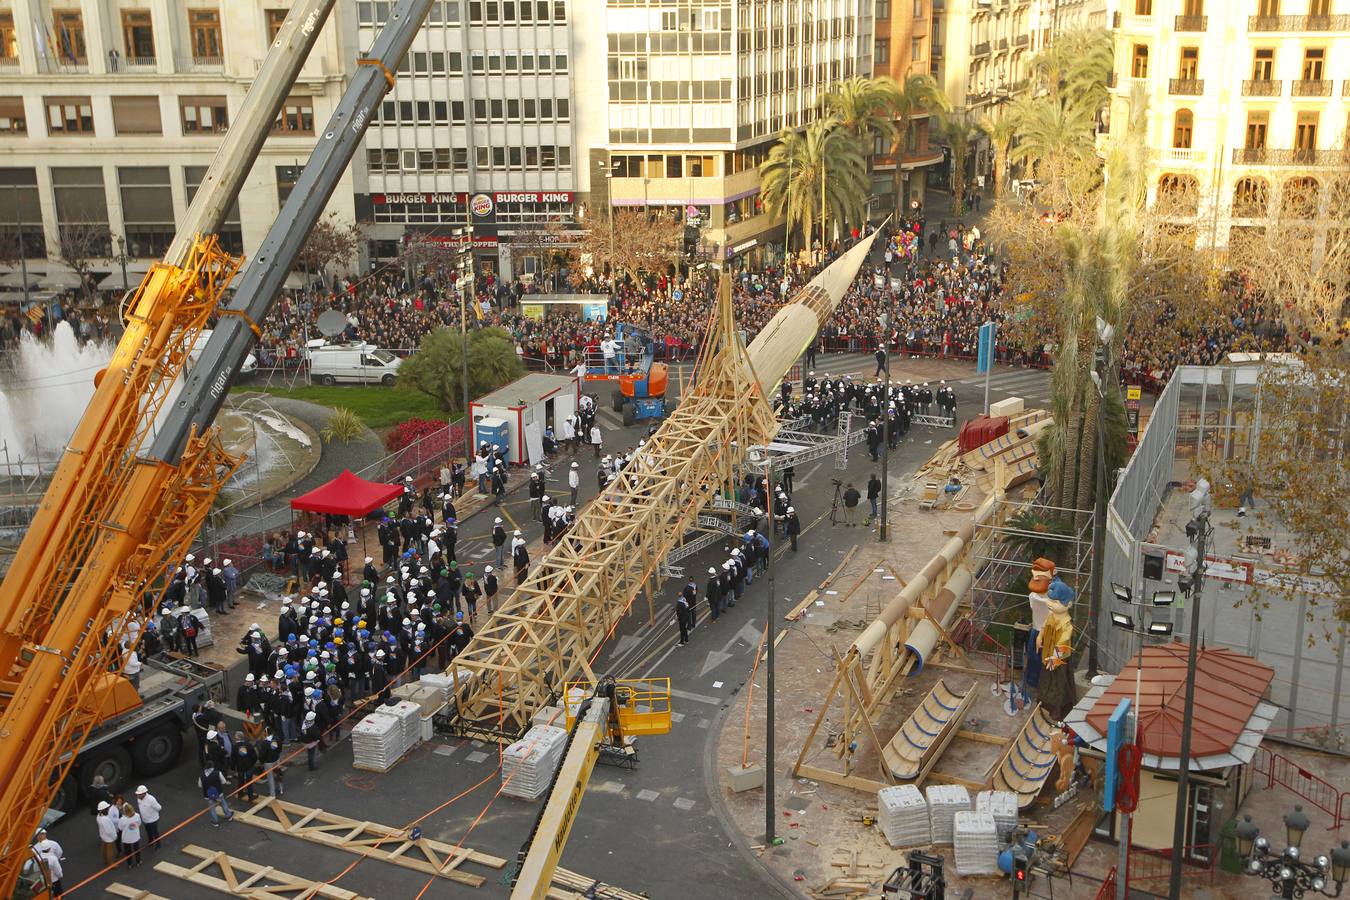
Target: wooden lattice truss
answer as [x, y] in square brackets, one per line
[554, 624]
[399, 847]
[242, 878]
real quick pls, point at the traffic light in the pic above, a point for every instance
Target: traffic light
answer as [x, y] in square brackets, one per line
[1019, 872]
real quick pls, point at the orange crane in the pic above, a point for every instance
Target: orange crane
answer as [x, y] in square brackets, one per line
[142, 469]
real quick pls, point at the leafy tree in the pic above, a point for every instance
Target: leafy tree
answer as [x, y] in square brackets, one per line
[916, 94]
[1053, 132]
[344, 426]
[436, 368]
[819, 173]
[1001, 132]
[863, 107]
[1074, 68]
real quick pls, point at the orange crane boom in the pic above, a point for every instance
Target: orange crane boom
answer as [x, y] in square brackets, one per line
[130, 493]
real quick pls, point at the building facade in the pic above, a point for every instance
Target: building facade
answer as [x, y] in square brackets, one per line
[479, 129]
[982, 52]
[904, 46]
[678, 103]
[112, 110]
[1248, 107]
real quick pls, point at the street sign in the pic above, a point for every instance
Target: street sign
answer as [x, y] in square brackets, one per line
[985, 351]
[1117, 733]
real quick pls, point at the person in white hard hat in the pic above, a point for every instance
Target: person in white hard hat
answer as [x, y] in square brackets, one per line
[499, 541]
[574, 481]
[520, 558]
[108, 835]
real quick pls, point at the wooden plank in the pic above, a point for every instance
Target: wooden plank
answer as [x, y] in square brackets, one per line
[797, 611]
[839, 568]
[122, 890]
[856, 782]
[982, 737]
[776, 641]
[947, 778]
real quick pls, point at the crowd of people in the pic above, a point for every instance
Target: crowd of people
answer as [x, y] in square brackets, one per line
[925, 291]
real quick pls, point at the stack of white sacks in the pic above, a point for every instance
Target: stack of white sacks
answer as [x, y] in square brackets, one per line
[1002, 805]
[975, 837]
[944, 802]
[378, 742]
[903, 816]
[409, 714]
[528, 764]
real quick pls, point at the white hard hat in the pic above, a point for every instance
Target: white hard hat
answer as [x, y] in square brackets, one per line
[190, 557]
[487, 568]
[497, 521]
[226, 562]
[791, 510]
[712, 571]
[517, 532]
[248, 677]
[574, 465]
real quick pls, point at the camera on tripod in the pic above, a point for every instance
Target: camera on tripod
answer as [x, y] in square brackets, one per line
[836, 482]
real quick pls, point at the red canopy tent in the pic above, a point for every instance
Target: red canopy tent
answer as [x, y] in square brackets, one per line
[347, 495]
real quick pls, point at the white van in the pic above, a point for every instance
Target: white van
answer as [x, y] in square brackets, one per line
[248, 367]
[355, 363]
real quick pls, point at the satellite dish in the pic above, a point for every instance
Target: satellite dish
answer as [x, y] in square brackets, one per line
[332, 323]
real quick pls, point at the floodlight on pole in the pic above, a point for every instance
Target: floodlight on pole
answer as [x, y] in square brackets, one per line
[1122, 620]
[1160, 628]
[1122, 593]
[1164, 598]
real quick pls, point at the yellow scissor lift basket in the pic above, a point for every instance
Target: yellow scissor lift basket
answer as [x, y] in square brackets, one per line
[643, 704]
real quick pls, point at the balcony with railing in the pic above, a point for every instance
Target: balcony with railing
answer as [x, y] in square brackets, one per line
[9, 61]
[1184, 154]
[1312, 87]
[1192, 23]
[1345, 88]
[1003, 43]
[936, 52]
[1262, 87]
[1188, 87]
[1294, 156]
[1298, 23]
[137, 65]
[1022, 40]
[980, 49]
[201, 63]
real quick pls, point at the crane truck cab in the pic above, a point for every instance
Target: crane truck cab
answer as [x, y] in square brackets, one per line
[139, 732]
[355, 363]
[641, 391]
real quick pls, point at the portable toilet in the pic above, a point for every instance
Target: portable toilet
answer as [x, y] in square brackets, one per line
[496, 432]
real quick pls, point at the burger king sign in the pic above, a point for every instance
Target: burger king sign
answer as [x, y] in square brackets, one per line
[481, 205]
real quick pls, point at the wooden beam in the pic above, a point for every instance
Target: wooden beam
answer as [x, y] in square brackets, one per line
[945, 778]
[262, 883]
[983, 737]
[118, 889]
[797, 611]
[935, 752]
[820, 717]
[856, 782]
[952, 643]
[867, 720]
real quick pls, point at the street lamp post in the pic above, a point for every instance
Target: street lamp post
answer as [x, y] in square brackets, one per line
[886, 436]
[122, 258]
[608, 169]
[1287, 871]
[1193, 567]
[23, 254]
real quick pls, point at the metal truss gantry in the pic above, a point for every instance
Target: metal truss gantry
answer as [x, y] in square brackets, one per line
[553, 625]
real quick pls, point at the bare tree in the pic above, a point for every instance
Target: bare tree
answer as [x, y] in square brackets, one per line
[546, 241]
[80, 245]
[331, 243]
[636, 242]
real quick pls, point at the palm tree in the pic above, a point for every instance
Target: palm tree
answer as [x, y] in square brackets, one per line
[1001, 132]
[917, 94]
[816, 172]
[863, 107]
[1056, 132]
[957, 132]
[1075, 67]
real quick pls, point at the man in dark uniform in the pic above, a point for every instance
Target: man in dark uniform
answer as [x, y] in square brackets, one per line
[690, 598]
[684, 616]
[713, 591]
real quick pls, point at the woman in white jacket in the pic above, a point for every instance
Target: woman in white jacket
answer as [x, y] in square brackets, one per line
[130, 827]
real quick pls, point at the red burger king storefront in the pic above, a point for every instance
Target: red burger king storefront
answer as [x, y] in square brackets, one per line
[512, 231]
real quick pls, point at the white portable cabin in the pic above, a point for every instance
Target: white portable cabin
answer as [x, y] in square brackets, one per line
[529, 405]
